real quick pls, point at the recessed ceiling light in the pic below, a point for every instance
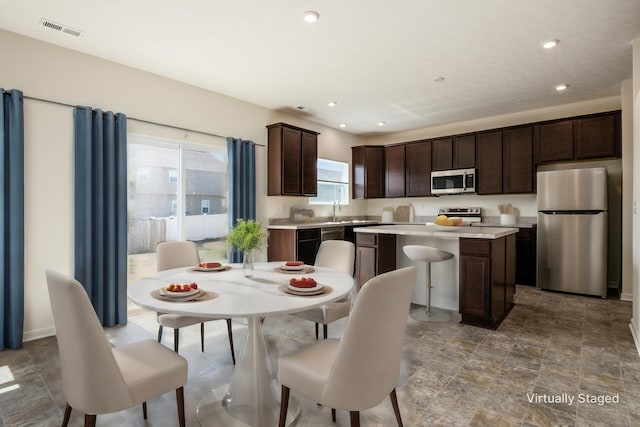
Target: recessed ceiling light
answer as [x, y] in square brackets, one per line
[311, 16]
[381, 123]
[438, 79]
[343, 125]
[562, 87]
[332, 104]
[549, 44]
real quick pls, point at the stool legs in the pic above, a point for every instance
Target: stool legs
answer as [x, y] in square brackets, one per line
[429, 314]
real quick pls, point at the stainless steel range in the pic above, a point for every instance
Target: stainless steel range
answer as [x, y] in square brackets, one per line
[469, 214]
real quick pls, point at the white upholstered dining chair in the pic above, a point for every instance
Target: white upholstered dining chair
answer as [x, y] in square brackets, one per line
[357, 372]
[174, 255]
[338, 255]
[100, 379]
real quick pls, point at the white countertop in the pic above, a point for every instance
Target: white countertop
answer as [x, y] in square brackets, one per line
[305, 225]
[432, 230]
[497, 225]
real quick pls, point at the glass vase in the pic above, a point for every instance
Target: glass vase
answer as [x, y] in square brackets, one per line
[247, 264]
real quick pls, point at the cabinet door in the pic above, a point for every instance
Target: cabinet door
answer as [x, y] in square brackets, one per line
[442, 152]
[291, 162]
[498, 279]
[357, 172]
[394, 170]
[553, 141]
[595, 137]
[374, 172]
[526, 257]
[418, 173]
[517, 175]
[464, 152]
[489, 162]
[309, 164]
[365, 264]
[474, 286]
[282, 245]
[510, 270]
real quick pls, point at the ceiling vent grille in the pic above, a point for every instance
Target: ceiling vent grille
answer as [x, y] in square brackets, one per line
[59, 27]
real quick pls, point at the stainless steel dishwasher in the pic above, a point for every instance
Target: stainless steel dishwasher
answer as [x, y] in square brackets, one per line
[331, 233]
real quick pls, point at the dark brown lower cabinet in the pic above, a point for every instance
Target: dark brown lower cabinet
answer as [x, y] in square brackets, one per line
[294, 245]
[375, 254]
[487, 280]
[526, 267]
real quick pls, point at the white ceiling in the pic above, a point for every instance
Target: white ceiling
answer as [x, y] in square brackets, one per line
[376, 58]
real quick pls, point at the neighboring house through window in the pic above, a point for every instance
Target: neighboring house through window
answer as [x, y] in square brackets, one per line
[333, 183]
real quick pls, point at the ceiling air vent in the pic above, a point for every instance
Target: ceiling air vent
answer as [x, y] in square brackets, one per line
[59, 27]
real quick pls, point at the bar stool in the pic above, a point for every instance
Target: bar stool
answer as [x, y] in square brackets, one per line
[428, 254]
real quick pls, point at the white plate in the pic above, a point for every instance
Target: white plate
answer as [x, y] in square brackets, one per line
[292, 267]
[189, 293]
[317, 288]
[222, 267]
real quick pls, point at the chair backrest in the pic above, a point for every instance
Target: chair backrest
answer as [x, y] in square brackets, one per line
[336, 254]
[367, 362]
[91, 379]
[176, 254]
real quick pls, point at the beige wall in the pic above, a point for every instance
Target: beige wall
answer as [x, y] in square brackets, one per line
[635, 321]
[49, 72]
[627, 189]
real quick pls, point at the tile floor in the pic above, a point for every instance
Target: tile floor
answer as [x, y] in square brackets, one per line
[551, 345]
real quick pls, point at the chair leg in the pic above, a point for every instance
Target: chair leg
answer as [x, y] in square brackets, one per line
[284, 406]
[176, 339]
[355, 418]
[89, 420]
[316, 332]
[180, 403]
[67, 415]
[333, 414]
[159, 333]
[396, 408]
[202, 337]
[144, 410]
[324, 331]
[230, 333]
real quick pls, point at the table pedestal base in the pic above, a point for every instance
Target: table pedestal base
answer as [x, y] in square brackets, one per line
[252, 396]
[212, 413]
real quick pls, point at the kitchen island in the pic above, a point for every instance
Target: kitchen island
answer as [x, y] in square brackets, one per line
[479, 282]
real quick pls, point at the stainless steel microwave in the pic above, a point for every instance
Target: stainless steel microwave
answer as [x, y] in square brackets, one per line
[456, 181]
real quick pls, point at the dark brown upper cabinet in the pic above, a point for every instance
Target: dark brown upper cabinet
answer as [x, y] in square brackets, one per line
[517, 176]
[367, 172]
[292, 160]
[394, 170]
[489, 162]
[553, 142]
[442, 154]
[464, 152]
[597, 136]
[418, 168]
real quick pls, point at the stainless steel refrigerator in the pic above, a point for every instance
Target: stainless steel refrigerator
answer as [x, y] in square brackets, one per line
[572, 230]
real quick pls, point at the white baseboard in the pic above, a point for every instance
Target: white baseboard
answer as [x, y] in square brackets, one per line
[38, 333]
[634, 333]
[626, 296]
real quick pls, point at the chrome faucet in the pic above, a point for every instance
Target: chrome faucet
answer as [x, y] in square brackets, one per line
[335, 203]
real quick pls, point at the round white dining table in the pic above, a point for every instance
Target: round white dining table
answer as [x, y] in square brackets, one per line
[252, 396]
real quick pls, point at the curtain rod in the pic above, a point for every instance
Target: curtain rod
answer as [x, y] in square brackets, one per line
[138, 120]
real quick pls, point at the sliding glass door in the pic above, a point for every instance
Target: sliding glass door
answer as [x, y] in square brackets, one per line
[175, 192]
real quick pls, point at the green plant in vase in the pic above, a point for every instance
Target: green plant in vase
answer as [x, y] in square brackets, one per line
[246, 236]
